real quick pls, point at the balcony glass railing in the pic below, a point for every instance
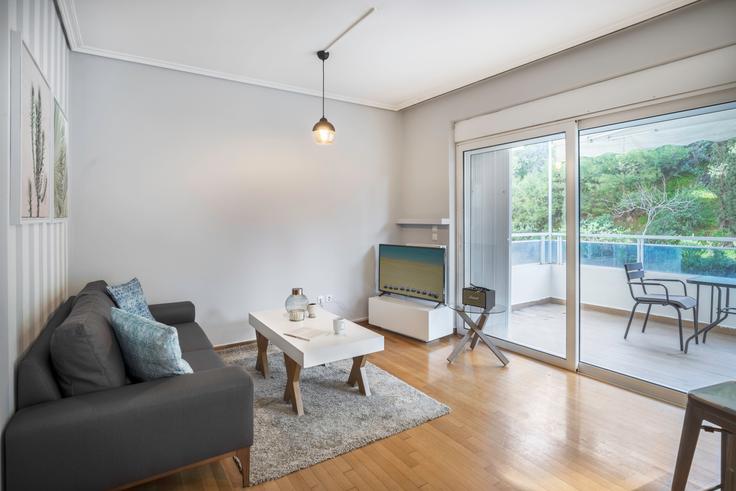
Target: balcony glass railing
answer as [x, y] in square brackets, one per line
[671, 254]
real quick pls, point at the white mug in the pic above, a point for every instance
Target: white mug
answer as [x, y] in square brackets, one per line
[338, 325]
[312, 310]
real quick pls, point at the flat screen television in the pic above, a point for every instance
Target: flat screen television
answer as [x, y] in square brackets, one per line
[412, 271]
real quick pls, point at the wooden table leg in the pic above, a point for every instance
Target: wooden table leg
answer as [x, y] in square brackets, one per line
[293, 391]
[262, 359]
[357, 374]
[688, 442]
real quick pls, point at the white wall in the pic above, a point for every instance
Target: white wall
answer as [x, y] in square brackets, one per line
[427, 161]
[214, 191]
[33, 257]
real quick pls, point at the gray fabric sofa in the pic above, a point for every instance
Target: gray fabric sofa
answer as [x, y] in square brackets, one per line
[122, 436]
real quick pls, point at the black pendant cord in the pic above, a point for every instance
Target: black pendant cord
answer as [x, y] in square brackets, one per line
[323, 88]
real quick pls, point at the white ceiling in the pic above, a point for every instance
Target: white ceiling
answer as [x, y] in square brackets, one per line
[407, 51]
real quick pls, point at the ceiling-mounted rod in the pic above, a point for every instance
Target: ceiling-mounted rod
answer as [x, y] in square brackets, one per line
[358, 21]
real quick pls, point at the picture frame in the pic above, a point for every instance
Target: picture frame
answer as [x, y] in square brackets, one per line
[60, 167]
[31, 112]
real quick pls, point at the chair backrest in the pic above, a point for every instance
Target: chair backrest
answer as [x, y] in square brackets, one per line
[635, 271]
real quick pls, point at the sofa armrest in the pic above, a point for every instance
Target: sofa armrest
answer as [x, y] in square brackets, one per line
[173, 313]
[109, 438]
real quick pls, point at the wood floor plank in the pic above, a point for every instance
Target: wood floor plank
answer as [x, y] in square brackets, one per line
[528, 426]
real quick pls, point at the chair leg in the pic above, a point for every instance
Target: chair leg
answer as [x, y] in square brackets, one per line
[695, 323]
[688, 442]
[631, 317]
[728, 460]
[646, 319]
[679, 326]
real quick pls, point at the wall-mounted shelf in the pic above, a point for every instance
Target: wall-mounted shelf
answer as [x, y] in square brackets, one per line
[423, 221]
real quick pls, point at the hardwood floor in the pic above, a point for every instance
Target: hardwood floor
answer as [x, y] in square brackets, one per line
[528, 426]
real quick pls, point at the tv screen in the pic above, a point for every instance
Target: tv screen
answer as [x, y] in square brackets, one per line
[412, 271]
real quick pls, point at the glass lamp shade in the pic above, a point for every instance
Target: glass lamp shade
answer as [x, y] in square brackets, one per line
[296, 305]
[324, 132]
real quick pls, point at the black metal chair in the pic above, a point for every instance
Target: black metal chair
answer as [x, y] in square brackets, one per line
[635, 276]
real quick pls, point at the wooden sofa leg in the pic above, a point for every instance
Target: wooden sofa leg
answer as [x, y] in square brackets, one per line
[243, 456]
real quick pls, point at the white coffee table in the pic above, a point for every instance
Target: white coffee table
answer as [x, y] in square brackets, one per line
[355, 342]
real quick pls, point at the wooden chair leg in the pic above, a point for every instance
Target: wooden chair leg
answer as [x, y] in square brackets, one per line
[728, 461]
[243, 456]
[688, 442]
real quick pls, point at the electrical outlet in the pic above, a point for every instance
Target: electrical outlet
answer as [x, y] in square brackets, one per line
[329, 298]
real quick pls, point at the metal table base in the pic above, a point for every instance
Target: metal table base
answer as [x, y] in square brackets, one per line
[721, 311]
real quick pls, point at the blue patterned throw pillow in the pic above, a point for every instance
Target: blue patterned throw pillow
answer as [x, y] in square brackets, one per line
[150, 349]
[129, 297]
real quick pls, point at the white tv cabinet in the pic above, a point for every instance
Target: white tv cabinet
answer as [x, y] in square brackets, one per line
[415, 319]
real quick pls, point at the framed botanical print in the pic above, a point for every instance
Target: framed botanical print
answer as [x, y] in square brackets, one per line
[60, 168]
[32, 126]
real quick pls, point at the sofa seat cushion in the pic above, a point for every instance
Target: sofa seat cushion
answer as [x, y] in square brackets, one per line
[84, 351]
[192, 337]
[205, 359]
[150, 349]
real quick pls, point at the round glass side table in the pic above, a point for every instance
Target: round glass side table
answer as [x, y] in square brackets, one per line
[475, 330]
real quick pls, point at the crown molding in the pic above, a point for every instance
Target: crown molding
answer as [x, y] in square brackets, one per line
[68, 11]
[142, 60]
[71, 22]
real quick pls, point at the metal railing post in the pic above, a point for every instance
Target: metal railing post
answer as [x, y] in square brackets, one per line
[542, 250]
[559, 249]
[640, 250]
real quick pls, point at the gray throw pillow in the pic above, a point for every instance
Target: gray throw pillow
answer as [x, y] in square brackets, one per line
[84, 350]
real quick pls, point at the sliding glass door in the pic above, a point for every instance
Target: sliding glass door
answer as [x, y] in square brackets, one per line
[514, 237]
[550, 217]
[659, 192]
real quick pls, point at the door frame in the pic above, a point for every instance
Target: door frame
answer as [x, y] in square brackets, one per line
[570, 130]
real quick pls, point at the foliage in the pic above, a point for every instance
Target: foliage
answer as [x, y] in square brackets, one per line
[678, 190]
[722, 179]
[716, 262]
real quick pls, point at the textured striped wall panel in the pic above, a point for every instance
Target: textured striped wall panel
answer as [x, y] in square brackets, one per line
[41, 250]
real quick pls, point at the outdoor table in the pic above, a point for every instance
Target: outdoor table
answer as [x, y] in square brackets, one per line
[721, 311]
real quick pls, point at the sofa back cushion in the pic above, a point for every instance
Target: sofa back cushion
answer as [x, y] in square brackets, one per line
[84, 350]
[36, 379]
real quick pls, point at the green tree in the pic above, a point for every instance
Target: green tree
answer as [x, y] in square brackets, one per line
[722, 174]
